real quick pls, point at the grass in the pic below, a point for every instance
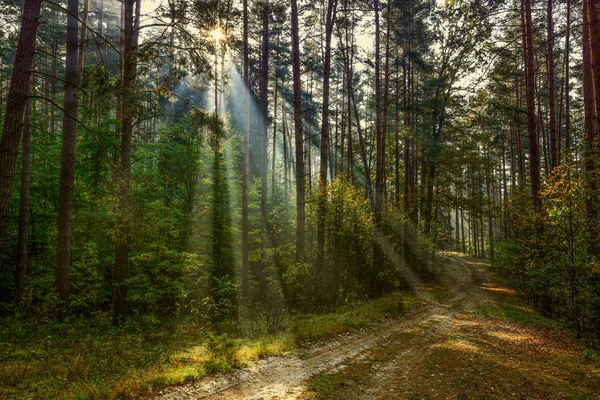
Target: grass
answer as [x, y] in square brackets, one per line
[520, 314]
[322, 326]
[325, 385]
[90, 359]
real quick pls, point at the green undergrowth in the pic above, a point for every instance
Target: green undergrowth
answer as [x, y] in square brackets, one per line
[521, 315]
[325, 385]
[90, 359]
[356, 316]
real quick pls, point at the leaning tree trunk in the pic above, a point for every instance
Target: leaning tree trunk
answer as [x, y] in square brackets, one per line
[15, 109]
[299, 138]
[67, 167]
[121, 271]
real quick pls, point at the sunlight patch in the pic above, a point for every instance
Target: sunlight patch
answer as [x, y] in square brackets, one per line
[510, 336]
[493, 288]
[458, 344]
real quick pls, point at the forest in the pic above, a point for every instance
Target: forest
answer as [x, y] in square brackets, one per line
[230, 176]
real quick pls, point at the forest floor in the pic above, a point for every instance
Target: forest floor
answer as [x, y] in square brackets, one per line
[479, 342]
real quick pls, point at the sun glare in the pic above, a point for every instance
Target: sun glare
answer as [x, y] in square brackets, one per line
[217, 34]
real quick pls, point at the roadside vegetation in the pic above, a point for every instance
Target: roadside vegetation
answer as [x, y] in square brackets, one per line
[502, 348]
[85, 358]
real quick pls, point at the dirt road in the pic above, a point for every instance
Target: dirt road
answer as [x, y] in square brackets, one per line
[450, 349]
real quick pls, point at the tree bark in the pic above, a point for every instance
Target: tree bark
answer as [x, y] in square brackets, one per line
[67, 168]
[379, 160]
[551, 92]
[99, 43]
[246, 166]
[347, 66]
[83, 41]
[322, 201]
[264, 101]
[591, 101]
[534, 156]
[594, 38]
[567, 80]
[274, 139]
[23, 240]
[121, 270]
[588, 90]
[15, 110]
[299, 137]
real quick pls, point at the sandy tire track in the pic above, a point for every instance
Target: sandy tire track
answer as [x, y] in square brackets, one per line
[284, 377]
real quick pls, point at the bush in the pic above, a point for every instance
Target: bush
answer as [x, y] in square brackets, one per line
[156, 286]
[548, 255]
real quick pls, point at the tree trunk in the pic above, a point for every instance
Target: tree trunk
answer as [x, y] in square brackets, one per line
[456, 226]
[285, 150]
[15, 110]
[567, 81]
[23, 241]
[264, 107]
[588, 90]
[379, 159]
[551, 93]
[520, 160]
[348, 69]
[322, 201]
[361, 140]
[382, 114]
[534, 155]
[121, 271]
[490, 194]
[274, 140]
[83, 41]
[594, 38]
[246, 166]
[407, 144]
[462, 230]
[299, 137]
[99, 43]
[591, 101]
[397, 133]
[504, 197]
[67, 168]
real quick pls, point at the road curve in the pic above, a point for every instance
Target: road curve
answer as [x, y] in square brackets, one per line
[285, 377]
